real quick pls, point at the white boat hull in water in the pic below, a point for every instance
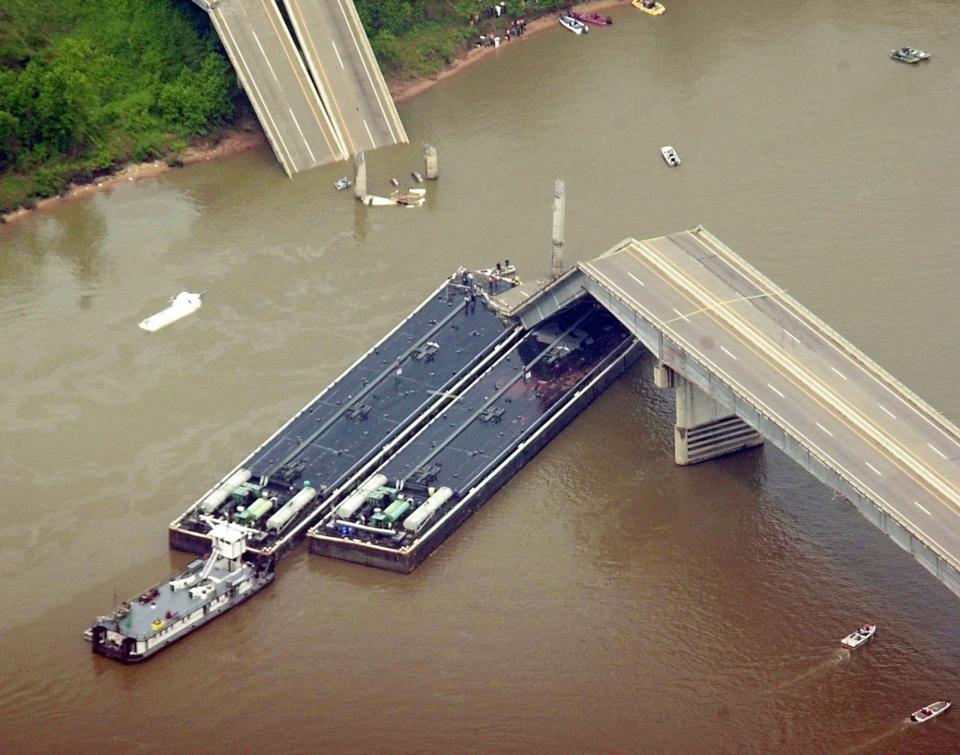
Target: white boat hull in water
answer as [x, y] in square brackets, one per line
[856, 639]
[181, 305]
[931, 711]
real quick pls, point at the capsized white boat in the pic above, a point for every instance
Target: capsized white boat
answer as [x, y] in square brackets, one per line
[181, 305]
[856, 639]
[670, 156]
[931, 711]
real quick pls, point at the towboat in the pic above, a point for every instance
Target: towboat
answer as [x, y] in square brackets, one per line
[181, 305]
[577, 27]
[342, 183]
[860, 636]
[931, 711]
[652, 7]
[670, 156]
[591, 18]
[142, 626]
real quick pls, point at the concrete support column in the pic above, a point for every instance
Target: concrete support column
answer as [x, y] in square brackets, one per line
[359, 176]
[705, 428]
[559, 209]
[431, 169]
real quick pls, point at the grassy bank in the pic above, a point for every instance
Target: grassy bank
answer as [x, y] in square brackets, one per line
[87, 86]
[414, 39]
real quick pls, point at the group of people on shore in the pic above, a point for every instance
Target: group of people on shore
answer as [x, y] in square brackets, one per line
[513, 28]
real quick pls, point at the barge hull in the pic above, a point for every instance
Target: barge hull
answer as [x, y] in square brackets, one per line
[405, 561]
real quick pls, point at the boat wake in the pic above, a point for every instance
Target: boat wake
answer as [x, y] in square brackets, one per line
[871, 743]
[837, 658]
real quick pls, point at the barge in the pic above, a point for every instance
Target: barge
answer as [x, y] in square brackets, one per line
[391, 391]
[409, 505]
[144, 625]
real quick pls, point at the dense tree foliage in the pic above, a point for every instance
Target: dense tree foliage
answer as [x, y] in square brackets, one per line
[85, 85]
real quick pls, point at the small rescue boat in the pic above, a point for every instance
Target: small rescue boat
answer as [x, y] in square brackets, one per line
[591, 18]
[857, 638]
[649, 6]
[670, 156]
[931, 711]
[500, 271]
[568, 22]
[181, 305]
[342, 183]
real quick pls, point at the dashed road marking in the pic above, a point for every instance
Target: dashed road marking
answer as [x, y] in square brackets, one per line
[936, 450]
[887, 411]
[924, 510]
[728, 352]
[775, 391]
[839, 373]
[877, 471]
[637, 279]
[824, 429]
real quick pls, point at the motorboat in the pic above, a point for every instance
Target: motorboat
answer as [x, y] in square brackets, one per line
[577, 27]
[342, 183]
[670, 156]
[912, 52]
[652, 7]
[181, 305]
[500, 271]
[860, 636]
[905, 57]
[591, 18]
[930, 711]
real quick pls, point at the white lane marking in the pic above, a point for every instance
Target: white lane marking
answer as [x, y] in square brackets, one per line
[264, 53]
[637, 279]
[305, 142]
[824, 429]
[792, 336]
[874, 468]
[734, 265]
[372, 140]
[612, 286]
[334, 46]
[366, 69]
[838, 372]
[887, 411]
[253, 83]
[728, 352]
[775, 391]
[682, 315]
[940, 453]
[923, 509]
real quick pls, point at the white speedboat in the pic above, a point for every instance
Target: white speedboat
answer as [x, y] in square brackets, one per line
[500, 271]
[569, 22]
[856, 639]
[181, 305]
[342, 183]
[670, 156]
[931, 711]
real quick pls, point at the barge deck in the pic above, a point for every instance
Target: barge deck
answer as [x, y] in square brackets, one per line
[391, 391]
[419, 496]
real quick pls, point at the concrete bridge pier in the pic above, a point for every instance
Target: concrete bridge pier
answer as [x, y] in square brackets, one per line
[431, 169]
[705, 428]
[359, 176]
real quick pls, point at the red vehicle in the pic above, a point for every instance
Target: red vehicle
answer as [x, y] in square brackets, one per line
[591, 18]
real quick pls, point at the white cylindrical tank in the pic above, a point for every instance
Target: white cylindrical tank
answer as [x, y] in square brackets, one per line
[414, 523]
[355, 500]
[222, 492]
[290, 509]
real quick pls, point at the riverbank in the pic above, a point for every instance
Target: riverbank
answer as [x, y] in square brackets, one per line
[247, 134]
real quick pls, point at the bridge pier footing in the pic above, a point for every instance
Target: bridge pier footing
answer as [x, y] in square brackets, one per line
[705, 429]
[431, 168]
[359, 176]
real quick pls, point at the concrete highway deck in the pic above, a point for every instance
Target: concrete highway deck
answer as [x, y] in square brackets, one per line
[827, 396]
[277, 83]
[348, 77]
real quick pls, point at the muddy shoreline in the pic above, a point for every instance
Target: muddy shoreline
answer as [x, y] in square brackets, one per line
[247, 134]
